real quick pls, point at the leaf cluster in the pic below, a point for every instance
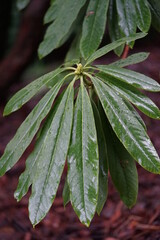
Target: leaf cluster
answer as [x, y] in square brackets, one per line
[92, 127]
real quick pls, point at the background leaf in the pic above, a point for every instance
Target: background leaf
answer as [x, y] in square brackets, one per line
[21, 4]
[93, 26]
[66, 193]
[155, 10]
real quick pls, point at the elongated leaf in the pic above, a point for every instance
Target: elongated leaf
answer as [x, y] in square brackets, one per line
[135, 79]
[143, 15]
[83, 164]
[21, 4]
[52, 159]
[104, 50]
[103, 160]
[123, 170]
[132, 59]
[60, 27]
[53, 11]
[155, 10]
[121, 165]
[113, 27]
[27, 130]
[127, 19]
[26, 178]
[127, 128]
[26, 93]
[74, 51]
[93, 27]
[141, 101]
[66, 193]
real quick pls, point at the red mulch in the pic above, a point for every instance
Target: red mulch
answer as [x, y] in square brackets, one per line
[116, 221]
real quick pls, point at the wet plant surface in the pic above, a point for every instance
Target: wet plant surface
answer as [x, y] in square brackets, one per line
[116, 221]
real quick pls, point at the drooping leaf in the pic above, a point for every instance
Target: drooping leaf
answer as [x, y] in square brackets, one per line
[52, 159]
[61, 26]
[104, 50]
[121, 165]
[155, 10]
[103, 160]
[26, 178]
[127, 128]
[83, 163]
[93, 27]
[66, 194]
[26, 93]
[132, 59]
[74, 50]
[143, 15]
[21, 4]
[141, 101]
[27, 130]
[113, 27]
[135, 79]
[127, 19]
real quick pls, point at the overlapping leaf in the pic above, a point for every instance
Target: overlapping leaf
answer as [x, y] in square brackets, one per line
[27, 130]
[52, 159]
[21, 4]
[135, 79]
[127, 128]
[141, 101]
[103, 159]
[66, 193]
[83, 163]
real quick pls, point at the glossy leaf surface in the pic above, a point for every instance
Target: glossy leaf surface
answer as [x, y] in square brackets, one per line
[141, 101]
[132, 59]
[135, 79]
[26, 178]
[106, 49]
[27, 130]
[127, 128]
[93, 26]
[52, 159]
[83, 161]
[26, 93]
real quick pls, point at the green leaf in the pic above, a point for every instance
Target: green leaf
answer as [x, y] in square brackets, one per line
[121, 165]
[103, 160]
[132, 59]
[127, 19]
[127, 128]
[135, 79]
[122, 168]
[52, 159]
[27, 130]
[74, 50]
[66, 194]
[60, 27]
[141, 101]
[26, 178]
[93, 27]
[53, 11]
[83, 163]
[21, 4]
[113, 27]
[143, 15]
[26, 93]
[104, 50]
[155, 10]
